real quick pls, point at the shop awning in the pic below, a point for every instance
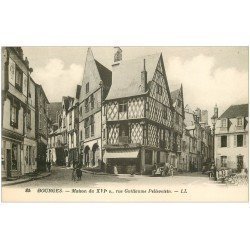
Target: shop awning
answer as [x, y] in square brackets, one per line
[124, 153]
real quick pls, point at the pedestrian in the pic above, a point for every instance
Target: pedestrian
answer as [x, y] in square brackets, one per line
[79, 173]
[49, 166]
[166, 168]
[115, 169]
[73, 174]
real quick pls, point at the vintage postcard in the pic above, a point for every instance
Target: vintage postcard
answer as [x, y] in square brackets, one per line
[124, 124]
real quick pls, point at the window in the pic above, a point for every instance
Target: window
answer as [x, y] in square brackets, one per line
[70, 118]
[81, 135]
[223, 141]
[87, 105]
[28, 120]
[223, 161]
[92, 125]
[87, 132]
[239, 140]
[80, 110]
[92, 101]
[224, 123]
[239, 122]
[104, 133]
[123, 107]
[13, 116]
[19, 79]
[40, 120]
[87, 87]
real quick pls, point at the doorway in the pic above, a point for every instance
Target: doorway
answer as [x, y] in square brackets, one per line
[8, 156]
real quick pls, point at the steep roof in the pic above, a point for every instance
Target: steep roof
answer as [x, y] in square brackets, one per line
[53, 109]
[126, 77]
[105, 74]
[236, 111]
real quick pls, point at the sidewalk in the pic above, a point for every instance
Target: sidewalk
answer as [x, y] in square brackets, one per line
[25, 179]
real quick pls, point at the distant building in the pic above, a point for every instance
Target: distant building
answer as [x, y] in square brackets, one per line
[41, 126]
[54, 148]
[178, 122]
[73, 129]
[95, 87]
[231, 137]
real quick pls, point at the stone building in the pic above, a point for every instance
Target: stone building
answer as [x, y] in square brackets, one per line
[54, 147]
[231, 137]
[95, 87]
[72, 118]
[15, 85]
[138, 112]
[41, 106]
[30, 142]
[178, 122]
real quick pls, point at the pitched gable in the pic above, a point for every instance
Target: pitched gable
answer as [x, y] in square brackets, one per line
[126, 77]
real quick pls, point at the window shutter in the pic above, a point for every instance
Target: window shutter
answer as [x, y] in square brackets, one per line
[235, 140]
[244, 140]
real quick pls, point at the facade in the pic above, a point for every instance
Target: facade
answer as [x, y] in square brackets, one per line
[55, 152]
[42, 122]
[231, 138]
[72, 118]
[15, 77]
[95, 87]
[138, 113]
[178, 122]
[197, 140]
[30, 142]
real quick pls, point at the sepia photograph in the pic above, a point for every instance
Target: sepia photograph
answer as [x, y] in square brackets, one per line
[124, 124]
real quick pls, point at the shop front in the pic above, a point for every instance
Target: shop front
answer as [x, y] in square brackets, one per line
[11, 158]
[125, 160]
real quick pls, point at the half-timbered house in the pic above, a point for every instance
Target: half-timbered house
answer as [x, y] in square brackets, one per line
[138, 113]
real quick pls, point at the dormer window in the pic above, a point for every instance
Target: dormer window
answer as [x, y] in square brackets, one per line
[224, 123]
[239, 121]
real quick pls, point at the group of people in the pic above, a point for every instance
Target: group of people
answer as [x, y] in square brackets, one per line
[76, 173]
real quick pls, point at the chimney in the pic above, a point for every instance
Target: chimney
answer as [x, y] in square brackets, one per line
[215, 111]
[198, 114]
[117, 56]
[144, 77]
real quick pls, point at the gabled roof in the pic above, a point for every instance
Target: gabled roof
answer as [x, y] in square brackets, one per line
[126, 77]
[236, 111]
[105, 74]
[53, 109]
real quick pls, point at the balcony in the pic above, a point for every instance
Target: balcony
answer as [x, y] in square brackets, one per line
[123, 139]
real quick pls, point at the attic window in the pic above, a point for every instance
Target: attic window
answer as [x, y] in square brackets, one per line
[224, 123]
[159, 89]
[239, 121]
